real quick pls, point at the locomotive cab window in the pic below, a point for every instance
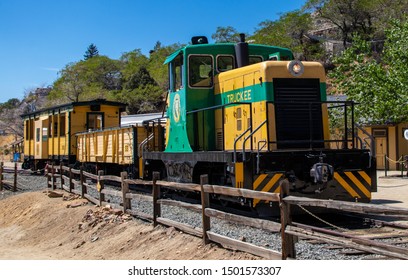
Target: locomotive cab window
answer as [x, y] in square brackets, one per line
[225, 63]
[200, 71]
[176, 73]
[255, 59]
[275, 56]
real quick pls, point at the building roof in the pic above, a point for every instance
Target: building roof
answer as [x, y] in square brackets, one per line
[69, 106]
[140, 118]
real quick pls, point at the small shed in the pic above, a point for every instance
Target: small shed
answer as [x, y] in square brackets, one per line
[391, 144]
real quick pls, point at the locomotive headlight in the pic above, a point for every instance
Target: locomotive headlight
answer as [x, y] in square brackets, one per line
[296, 68]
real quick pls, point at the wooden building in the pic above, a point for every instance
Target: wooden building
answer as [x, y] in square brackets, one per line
[391, 143]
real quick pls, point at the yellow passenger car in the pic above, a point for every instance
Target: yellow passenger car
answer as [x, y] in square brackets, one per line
[49, 134]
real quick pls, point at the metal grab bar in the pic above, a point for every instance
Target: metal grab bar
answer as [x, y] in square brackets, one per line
[372, 144]
[258, 155]
[236, 141]
[249, 136]
[143, 144]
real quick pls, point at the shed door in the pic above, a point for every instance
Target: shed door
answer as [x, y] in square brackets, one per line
[380, 136]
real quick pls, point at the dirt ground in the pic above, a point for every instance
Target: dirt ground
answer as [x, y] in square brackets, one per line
[391, 190]
[35, 226]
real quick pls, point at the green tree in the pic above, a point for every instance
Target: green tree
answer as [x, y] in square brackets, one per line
[10, 104]
[385, 11]
[140, 90]
[131, 63]
[92, 51]
[143, 99]
[380, 86]
[225, 35]
[290, 31]
[363, 17]
[86, 80]
[155, 66]
[10, 111]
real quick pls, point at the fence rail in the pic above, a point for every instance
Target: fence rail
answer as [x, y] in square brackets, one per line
[402, 162]
[346, 240]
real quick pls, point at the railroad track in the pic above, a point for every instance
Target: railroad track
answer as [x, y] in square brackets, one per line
[391, 235]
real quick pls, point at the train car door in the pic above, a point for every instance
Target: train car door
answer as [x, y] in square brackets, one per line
[44, 138]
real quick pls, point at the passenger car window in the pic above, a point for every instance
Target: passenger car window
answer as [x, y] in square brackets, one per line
[95, 121]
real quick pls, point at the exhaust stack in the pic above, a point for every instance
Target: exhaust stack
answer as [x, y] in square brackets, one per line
[242, 52]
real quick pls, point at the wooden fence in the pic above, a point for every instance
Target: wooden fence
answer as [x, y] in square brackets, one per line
[75, 181]
[12, 184]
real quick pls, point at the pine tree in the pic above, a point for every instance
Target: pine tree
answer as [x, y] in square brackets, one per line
[91, 52]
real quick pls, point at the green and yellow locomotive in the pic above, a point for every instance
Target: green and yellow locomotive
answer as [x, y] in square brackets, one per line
[249, 115]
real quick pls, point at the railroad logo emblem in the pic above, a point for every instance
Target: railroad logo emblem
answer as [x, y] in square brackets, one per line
[176, 107]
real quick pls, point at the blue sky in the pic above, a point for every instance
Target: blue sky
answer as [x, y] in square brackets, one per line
[39, 37]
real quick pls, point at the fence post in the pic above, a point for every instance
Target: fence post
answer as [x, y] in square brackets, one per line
[48, 174]
[83, 187]
[1, 175]
[156, 196]
[101, 186]
[70, 179]
[53, 176]
[61, 179]
[125, 189]
[385, 165]
[15, 178]
[205, 203]
[288, 245]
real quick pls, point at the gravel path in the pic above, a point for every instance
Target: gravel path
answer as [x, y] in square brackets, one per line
[25, 183]
[304, 250]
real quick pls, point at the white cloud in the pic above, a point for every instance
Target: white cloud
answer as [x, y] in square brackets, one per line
[50, 69]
